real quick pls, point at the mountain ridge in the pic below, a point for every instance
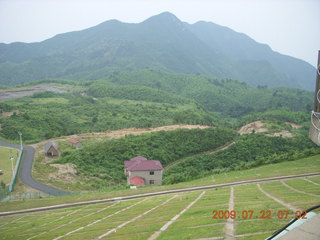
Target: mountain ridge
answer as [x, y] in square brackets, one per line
[161, 42]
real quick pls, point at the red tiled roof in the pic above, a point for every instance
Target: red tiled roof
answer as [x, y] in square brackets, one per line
[137, 181]
[138, 159]
[142, 164]
[73, 141]
[134, 161]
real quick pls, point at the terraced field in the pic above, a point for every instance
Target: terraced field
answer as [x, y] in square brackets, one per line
[258, 210]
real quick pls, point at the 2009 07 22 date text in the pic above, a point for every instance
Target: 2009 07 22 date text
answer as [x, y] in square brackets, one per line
[249, 214]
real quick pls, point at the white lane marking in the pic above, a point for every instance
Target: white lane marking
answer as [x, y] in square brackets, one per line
[133, 219]
[164, 227]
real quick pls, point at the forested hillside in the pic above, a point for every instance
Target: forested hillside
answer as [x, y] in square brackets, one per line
[249, 151]
[150, 98]
[162, 42]
[105, 160]
[147, 98]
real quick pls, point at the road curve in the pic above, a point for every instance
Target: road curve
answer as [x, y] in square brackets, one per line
[26, 168]
[158, 193]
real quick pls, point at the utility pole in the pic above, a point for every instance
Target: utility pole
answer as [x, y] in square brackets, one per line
[314, 133]
[11, 160]
[20, 134]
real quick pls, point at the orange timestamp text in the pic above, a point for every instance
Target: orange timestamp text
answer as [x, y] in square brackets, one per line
[250, 214]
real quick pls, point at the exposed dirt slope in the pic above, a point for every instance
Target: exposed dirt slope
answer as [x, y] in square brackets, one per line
[256, 126]
[112, 134]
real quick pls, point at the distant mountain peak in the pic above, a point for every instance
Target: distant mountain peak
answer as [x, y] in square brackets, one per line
[162, 42]
[164, 17]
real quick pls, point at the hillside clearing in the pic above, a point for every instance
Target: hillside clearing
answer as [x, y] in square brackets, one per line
[114, 134]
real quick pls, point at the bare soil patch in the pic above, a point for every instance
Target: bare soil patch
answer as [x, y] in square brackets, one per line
[17, 93]
[65, 172]
[114, 134]
[256, 127]
[8, 114]
[136, 131]
[283, 133]
[293, 125]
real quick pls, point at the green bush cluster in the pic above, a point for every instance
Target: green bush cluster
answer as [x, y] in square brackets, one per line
[105, 160]
[249, 151]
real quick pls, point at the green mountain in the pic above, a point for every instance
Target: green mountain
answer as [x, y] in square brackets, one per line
[161, 42]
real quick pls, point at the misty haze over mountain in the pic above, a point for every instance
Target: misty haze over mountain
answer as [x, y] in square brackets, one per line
[161, 42]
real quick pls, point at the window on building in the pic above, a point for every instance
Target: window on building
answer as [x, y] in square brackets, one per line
[151, 181]
[151, 172]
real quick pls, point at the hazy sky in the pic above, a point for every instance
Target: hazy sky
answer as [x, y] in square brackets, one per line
[290, 27]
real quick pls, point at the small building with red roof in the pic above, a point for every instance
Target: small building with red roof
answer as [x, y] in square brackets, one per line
[74, 143]
[137, 181]
[141, 171]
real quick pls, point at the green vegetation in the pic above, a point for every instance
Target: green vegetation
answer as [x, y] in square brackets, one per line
[300, 200]
[141, 218]
[138, 93]
[304, 165]
[105, 160]
[6, 164]
[157, 43]
[151, 98]
[304, 186]
[249, 199]
[44, 118]
[148, 98]
[230, 97]
[249, 151]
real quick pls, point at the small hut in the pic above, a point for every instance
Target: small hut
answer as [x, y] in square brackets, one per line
[51, 149]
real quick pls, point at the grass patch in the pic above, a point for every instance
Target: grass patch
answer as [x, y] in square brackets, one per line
[256, 236]
[298, 200]
[6, 164]
[250, 198]
[50, 100]
[189, 233]
[304, 186]
[315, 179]
[264, 225]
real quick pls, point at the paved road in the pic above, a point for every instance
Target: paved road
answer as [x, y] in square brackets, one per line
[26, 168]
[159, 193]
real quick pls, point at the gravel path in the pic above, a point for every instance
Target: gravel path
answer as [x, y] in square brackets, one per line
[287, 205]
[99, 220]
[298, 191]
[308, 180]
[229, 228]
[134, 219]
[164, 227]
